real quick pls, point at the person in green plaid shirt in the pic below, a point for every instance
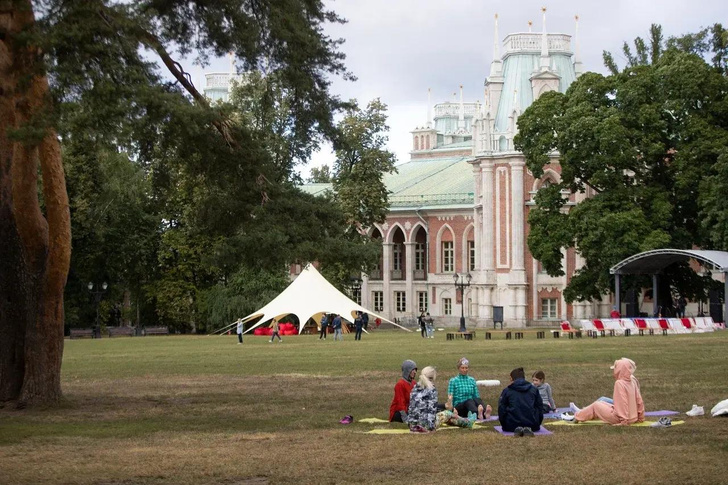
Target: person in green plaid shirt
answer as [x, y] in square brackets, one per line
[463, 395]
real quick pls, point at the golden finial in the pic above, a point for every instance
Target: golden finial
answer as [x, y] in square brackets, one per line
[496, 16]
[543, 9]
[576, 17]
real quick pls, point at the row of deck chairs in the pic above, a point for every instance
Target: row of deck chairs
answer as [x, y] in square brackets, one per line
[617, 326]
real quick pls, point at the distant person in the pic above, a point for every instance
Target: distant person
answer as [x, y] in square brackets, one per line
[240, 332]
[365, 320]
[463, 395]
[421, 322]
[402, 390]
[324, 326]
[275, 333]
[681, 304]
[520, 408]
[614, 313]
[358, 325]
[429, 326]
[628, 407]
[378, 322]
[336, 325]
[544, 389]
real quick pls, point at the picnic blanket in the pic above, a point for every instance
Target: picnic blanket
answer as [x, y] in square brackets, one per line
[407, 431]
[372, 420]
[644, 424]
[541, 432]
[557, 413]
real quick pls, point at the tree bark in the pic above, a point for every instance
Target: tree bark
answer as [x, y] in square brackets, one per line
[36, 260]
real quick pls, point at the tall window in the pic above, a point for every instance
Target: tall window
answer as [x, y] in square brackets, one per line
[419, 256]
[448, 257]
[548, 307]
[401, 301]
[378, 298]
[471, 255]
[447, 306]
[422, 301]
[397, 257]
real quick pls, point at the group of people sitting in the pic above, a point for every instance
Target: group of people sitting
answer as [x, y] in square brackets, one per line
[521, 405]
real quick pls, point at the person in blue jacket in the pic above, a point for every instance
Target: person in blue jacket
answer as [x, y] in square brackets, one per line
[520, 405]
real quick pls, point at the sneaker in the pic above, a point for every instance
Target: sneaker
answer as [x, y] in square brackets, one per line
[519, 431]
[662, 423]
[348, 419]
[567, 416]
[527, 432]
[573, 408]
[696, 411]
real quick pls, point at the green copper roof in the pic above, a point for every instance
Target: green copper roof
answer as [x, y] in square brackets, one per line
[434, 182]
[517, 72]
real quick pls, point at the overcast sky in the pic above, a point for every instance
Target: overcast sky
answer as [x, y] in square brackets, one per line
[399, 48]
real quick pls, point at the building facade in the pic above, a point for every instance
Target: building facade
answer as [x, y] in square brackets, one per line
[460, 205]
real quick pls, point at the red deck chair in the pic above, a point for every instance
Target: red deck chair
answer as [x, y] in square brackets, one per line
[641, 324]
[686, 323]
[663, 324]
[566, 327]
[599, 326]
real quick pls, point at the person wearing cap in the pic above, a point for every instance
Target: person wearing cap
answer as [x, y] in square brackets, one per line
[463, 395]
[402, 391]
[628, 407]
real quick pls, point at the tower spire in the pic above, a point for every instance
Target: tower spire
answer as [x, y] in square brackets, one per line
[577, 48]
[429, 108]
[530, 25]
[545, 61]
[461, 117]
[496, 66]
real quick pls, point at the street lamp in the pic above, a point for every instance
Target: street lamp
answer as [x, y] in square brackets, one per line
[356, 289]
[97, 299]
[462, 282]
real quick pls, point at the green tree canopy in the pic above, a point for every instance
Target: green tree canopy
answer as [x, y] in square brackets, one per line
[648, 147]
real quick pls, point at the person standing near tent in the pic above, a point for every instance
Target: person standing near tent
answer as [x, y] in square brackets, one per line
[275, 333]
[358, 323]
[336, 325]
[421, 321]
[324, 326]
[240, 331]
[430, 326]
[365, 320]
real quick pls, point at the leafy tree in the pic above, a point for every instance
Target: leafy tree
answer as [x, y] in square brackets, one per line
[320, 175]
[361, 162]
[648, 147]
[82, 64]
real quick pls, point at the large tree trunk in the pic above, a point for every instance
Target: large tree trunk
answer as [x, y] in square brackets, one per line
[37, 247]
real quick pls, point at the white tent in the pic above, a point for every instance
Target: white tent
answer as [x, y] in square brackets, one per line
[310, 296]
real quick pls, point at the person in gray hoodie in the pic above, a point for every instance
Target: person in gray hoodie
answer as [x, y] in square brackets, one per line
[402, 391]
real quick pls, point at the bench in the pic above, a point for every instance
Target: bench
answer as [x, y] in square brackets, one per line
[463, 335]
[82, 332]
[156, 331]
[121, 331]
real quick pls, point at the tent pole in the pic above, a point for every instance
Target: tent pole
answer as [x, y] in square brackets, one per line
[654, 295]
[616, 293]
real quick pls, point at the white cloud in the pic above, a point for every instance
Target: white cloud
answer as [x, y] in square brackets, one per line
[400, 48]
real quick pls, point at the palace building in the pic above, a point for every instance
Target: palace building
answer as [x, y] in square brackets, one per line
[460, 205]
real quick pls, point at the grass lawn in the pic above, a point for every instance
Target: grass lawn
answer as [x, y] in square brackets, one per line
[203, 410]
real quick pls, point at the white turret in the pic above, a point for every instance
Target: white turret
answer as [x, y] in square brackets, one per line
[461, 115]
[496, 66]
[577, 50]
[429, 108]
[545, 63]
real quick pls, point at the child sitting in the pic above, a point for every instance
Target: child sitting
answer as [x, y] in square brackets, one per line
[544, 389]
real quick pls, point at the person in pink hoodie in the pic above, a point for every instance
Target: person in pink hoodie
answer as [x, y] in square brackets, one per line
[628, 407]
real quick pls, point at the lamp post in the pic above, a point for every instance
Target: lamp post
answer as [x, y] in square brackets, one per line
[356, 289]
[462, 282]
[97, 300]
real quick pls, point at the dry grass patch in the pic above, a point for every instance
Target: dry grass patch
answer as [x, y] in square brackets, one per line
[203, 410]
